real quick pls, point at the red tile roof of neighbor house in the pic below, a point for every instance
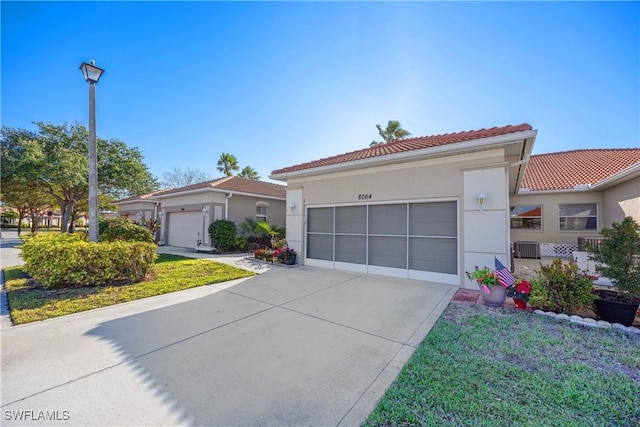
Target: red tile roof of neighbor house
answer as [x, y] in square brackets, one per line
[564, 170]
[407, 144]
[233, 184]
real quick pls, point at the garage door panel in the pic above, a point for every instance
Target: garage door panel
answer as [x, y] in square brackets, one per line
[433, 219]
[320, 220]
[351, 220]
[433, 254]
[388, 219]
[388, 251]
[351, 249]
[320, 246]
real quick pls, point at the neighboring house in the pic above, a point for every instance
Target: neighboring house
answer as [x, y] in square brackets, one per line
[431, 208]
[185, 213]
[572, 195]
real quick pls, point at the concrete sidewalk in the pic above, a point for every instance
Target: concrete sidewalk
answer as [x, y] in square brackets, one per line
[300, 346]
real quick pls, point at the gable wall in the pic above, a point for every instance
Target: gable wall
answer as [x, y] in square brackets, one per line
[620, 201]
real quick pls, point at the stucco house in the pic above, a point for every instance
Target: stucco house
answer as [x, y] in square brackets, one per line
[185, 213]
[431, 208]
[567, 197]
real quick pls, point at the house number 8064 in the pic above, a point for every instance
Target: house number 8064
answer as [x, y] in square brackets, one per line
[364, 196]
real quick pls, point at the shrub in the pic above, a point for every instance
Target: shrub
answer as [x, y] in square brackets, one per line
[223, 234]
[562, 288]
[111, 230]
[59, 260]
[618, 257]
[240, 243]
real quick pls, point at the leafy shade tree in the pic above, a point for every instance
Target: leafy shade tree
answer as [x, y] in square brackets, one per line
[31, 202]
[80, 209]
[393, 132]
[55, 160]
[178, 177]
[249, 172]
[227, 164]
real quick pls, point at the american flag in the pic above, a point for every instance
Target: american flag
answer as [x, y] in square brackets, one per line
[505, 277]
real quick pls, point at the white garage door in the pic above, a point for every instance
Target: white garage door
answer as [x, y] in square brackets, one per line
[412, 240]
[184, 228]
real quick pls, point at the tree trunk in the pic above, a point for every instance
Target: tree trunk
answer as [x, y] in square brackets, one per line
[67, 209]
[20, 218]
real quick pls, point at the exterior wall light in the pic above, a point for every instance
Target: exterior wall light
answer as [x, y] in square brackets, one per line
[482, 201]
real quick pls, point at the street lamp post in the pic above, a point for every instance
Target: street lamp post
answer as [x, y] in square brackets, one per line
[92, 75]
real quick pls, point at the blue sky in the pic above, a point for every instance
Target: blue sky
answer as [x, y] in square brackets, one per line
[278, 84]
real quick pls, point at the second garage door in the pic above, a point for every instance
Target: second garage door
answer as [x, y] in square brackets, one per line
[184, 228]
[413, 240]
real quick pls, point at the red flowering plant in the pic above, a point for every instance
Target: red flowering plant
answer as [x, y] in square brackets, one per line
[484, 276]
[520, 290]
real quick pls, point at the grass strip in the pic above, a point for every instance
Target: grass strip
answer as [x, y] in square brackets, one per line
[29, 302]
[491, 367]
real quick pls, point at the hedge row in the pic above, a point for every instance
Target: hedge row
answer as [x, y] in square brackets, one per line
[58, 260]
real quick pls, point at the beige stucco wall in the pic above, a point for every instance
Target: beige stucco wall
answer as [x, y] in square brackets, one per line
[550, 216]
[242, 207]
[620, 201]
[441, 178]
[485, 232]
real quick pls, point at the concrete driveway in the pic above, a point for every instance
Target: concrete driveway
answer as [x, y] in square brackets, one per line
[299, 346]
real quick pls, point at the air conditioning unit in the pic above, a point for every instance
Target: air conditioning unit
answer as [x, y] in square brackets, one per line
[527, 249]
[593, 241]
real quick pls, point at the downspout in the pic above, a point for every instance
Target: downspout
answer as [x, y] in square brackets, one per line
[226, 206]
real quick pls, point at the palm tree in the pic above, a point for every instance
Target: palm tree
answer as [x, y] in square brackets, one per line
[393, 132]
[249, 172]
[227, 164]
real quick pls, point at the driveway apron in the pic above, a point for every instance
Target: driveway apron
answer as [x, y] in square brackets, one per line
[299, 346]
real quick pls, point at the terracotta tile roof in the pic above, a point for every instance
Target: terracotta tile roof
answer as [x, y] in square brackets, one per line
[233, 184]
[564, 170]
[142, 197]
[404, 145]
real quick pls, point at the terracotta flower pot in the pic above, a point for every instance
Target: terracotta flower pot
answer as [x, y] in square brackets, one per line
[496, 297]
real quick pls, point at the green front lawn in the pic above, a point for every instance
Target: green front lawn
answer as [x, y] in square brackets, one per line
[489, 367]
[29, 302]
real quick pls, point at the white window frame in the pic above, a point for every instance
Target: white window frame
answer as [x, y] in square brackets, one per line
[541, 217]
[260, 217]
[560, 217]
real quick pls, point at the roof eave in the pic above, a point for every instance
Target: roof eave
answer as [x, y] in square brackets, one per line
[214, 190]
[448, 149]
[628, 173]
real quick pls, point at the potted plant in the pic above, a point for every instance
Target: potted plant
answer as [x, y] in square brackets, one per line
[494, 294]
[618, 258]
[287, 255]
[520, 292]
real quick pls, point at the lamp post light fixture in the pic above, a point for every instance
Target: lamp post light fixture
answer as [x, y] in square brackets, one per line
[92, 74]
